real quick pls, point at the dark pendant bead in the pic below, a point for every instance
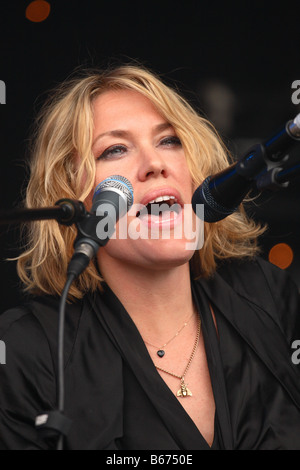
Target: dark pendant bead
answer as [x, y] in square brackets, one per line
[160, 353]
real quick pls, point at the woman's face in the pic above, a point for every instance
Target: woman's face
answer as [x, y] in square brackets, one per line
[133, 140]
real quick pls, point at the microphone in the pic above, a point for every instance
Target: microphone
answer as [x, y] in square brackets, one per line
[112, 199]
[222, 193]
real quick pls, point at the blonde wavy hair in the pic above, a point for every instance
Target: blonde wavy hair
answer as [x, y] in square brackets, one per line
[64, 131]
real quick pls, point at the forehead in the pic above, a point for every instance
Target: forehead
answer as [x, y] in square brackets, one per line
[120, 107]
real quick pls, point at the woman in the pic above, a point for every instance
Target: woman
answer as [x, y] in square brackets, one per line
[165, 347]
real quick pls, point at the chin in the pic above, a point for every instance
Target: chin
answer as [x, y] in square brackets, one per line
[152, 254]
[169, 252]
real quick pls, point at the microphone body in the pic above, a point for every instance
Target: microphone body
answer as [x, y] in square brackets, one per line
[112, 199]
[222, 193]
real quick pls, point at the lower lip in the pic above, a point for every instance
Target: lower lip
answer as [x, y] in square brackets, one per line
[166, 220]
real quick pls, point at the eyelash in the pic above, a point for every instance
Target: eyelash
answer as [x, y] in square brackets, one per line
[171, 140]
[109, 152]
[118, 150]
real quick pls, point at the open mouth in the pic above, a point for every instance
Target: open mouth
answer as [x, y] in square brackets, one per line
[161, 209]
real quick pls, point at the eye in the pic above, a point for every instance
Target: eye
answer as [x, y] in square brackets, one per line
[114, 151]
[171, 141]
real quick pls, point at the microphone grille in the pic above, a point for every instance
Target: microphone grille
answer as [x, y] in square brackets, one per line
[117, 182]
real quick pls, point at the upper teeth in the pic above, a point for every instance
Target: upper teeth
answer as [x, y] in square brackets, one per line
[161, 198]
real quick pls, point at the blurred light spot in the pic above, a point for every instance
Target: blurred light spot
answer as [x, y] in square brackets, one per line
[281, 255]
[37, 11]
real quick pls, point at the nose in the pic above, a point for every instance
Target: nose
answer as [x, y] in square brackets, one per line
[152, 165]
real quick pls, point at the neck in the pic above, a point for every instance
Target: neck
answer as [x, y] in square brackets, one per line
[154, 299]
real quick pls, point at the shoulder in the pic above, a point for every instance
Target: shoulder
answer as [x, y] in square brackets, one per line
[265, 286]
[18, 326]
[249, 276]
[31, 328]
[38, 310]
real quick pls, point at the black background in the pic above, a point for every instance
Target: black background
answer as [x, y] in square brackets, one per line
[251, 49]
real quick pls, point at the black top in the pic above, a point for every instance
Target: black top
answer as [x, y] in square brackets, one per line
[114, 395]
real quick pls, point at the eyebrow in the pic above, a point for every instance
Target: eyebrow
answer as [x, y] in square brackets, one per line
[123, 133]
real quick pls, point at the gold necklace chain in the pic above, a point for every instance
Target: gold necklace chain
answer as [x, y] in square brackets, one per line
[184, 391]
[160, 350]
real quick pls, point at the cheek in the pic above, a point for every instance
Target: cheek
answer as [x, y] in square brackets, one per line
[117, 249]
[183, 166]
[89, 199]
[185, 179]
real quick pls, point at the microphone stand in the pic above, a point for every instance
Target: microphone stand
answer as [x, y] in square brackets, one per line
[65, 211]
[278, 177]
[54, 423]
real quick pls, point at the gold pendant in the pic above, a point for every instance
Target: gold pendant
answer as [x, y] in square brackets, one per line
[184, 391]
